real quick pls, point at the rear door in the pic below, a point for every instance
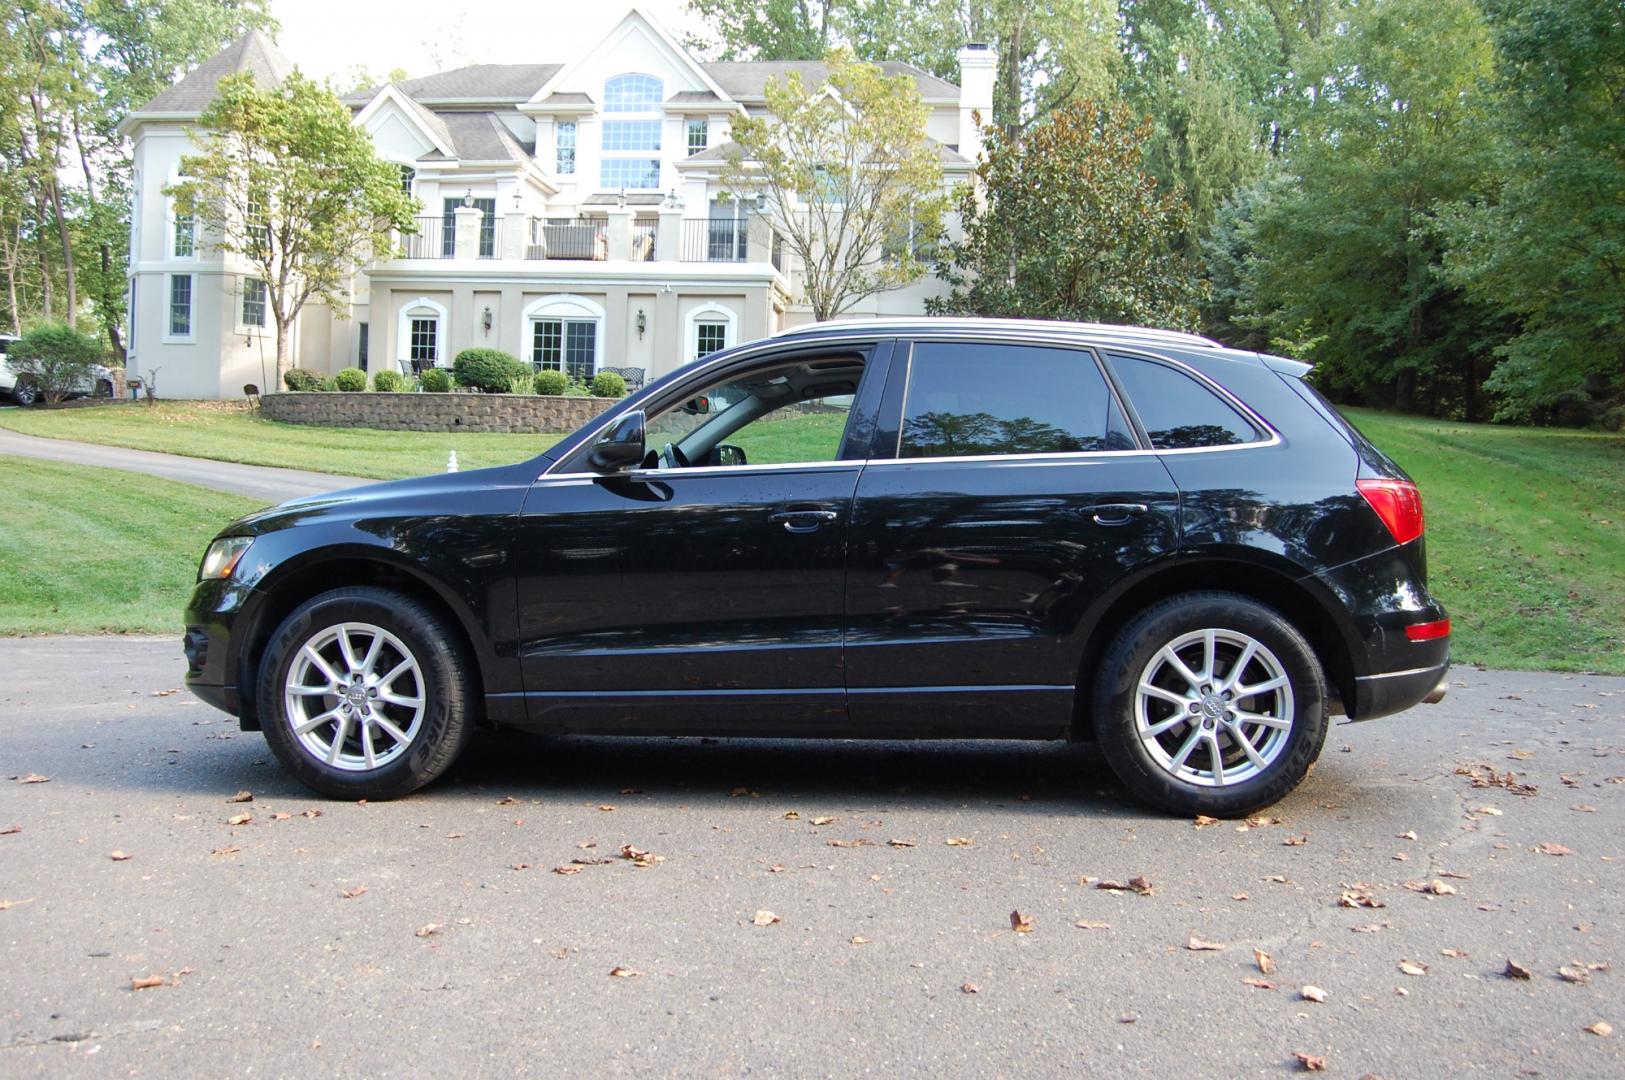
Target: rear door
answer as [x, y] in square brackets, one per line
[1004, 493]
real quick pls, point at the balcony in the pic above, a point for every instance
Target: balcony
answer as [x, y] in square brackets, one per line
[715, 240]
[623, 239]
[429, 242]
[568, 238]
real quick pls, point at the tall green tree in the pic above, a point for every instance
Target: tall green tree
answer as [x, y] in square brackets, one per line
[845, 174]
[1544, 239]
[1064, 222]
[286, 183]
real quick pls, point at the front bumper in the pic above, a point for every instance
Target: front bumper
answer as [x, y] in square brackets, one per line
[216, 614]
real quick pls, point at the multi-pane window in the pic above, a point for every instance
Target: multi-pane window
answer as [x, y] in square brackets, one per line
[362, 347]
[639, 173]
[253, 302]
[632, 93]
[631, 134]
[567, 345]
[488, 228]
[699, 136]
[185, 243]
[423, 341]
[258, 226]
[180, 305]
[709, 337]
[565, 137]
[408, 174]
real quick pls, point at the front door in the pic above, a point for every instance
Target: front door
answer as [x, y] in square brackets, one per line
[703, 591]
[1006, 492]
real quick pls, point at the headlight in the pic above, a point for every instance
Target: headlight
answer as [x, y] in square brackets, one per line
[223, 556]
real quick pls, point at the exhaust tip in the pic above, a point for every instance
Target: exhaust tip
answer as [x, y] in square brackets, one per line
[1436, 695]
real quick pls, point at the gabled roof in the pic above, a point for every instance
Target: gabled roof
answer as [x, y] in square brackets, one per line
[950, 158]
[640, 22]
[746, 80]
[254, 53]
[477, 82]
[482, 137]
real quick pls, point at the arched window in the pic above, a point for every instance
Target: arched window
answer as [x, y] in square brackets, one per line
[633, 93]
[408, 174]
[712, 327]
[564, 333]
[420, 334]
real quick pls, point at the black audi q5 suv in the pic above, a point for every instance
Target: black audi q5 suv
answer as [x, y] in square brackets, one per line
[917, 529]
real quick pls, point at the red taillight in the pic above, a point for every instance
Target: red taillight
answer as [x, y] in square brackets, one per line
[1427, 631]
[1398, 503]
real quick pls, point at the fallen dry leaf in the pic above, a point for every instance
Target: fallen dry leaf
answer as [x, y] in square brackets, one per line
[1295, 841]
[859, 939]
[1311, 1062]
[624, 972]
[507, 800]
[958, 841]
[34, 778]
[1313, 993]
[427, 930]
[740, 792]
[1240, 896]
[1480, 775]
[1265, 962]
[1261, 984]
[1203, 821]
[11, 830]
[7, 905]
[229, 849]
[1021, 924]
[1413, 967]
[242, 796]
[148, 982]
[1574, 974]
[1516, 970]
[311, 813]
[166, 693]
[606, 808]
[1601, 1028]
[1457, 954]
[857, 841]
[1434, 887]
[281, 816]
[765, 918]
[1550, 848]
[1489, 810]
[1085, 924]
[1355, 898]
[970, 988]
[1196, 944]
[351, 894]
[239, 819]
[567, 870]
[1139, 885]
[792, 815]
[118, 856]
[822, 820]
[1408, 834]
[1368, 928]
[902, 843]
[640, 858]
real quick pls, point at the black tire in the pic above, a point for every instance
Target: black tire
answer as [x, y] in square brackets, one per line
[24, 392]
[104, 389]
[1289, 754]
[444, 679]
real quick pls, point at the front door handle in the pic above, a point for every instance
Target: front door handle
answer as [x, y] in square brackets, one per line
[804, 521]
[1114, 513]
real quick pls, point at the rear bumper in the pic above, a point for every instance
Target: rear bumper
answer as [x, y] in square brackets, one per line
[1395, 691]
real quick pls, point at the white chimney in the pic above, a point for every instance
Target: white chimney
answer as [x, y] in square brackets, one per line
[977, 64]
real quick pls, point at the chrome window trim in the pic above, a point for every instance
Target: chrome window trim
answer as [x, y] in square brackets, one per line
[1247, 411]
[648, 475]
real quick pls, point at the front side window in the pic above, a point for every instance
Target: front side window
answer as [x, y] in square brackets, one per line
[976, 399]
[699, 136]
[785, 414]
[180, 305]
[423, 344]
[1178, 412]
[253, 302]
[488, 227]
[709, 336]
[185, 235]
[632, 93]
[565, 139]
[567, 345]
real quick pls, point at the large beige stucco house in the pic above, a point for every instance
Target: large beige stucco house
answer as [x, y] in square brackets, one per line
[573, 216]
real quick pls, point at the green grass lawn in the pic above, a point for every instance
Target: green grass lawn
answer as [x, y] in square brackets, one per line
[209, 431]
[86, 550]
[1525, 535]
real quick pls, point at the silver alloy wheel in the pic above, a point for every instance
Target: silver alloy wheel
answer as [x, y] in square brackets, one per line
[354, 697]
[1214, 708]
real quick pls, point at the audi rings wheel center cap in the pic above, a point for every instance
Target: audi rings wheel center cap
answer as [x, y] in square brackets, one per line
[1213, 706]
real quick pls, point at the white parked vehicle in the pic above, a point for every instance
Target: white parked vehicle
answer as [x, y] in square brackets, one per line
[23, 391]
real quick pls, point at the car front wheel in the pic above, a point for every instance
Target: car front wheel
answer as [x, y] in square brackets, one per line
[25, 393]
[1210, 703]
[363, 695]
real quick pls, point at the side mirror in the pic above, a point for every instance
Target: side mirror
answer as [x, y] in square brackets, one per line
[621, 447]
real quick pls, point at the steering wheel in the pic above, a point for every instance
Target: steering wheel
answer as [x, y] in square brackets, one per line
[672, 453]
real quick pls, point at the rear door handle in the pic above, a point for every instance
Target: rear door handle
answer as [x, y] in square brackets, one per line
[804, 521]
[1114, 513]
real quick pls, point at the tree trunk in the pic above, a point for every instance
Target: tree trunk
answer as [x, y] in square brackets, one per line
[282, 335]
[54, 191]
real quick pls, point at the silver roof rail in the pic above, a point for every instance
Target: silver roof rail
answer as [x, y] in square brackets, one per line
[896, 324]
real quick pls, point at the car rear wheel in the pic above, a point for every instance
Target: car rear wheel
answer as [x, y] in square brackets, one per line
[1210, 703]
[104, 389]
[363, 695]
[25, 393]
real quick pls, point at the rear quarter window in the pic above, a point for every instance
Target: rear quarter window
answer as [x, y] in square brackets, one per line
[1177, 411]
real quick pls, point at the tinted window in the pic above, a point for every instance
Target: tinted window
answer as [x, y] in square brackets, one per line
[1006, 399]
[1178, 412]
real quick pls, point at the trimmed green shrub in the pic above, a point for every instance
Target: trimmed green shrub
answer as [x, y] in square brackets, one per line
[351, 380]
[303, 379]
[608, 384]
[551, 381]
[435, 380]
[57, 359]
[490, 371]
[388, 381]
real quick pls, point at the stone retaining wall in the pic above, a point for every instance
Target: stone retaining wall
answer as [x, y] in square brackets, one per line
[521, 413]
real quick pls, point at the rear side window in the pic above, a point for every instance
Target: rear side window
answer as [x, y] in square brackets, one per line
[1178, 412]
[968, 399]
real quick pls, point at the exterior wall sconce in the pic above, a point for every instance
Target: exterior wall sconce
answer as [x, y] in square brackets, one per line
[620, 198]
[642, 323]
[468, 199]
[518, 199]
[485, 319]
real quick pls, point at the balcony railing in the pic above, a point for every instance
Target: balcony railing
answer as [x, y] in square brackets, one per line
[715, 240]
[490, 236]
[428, 242]
[563, 238]
[643, 240]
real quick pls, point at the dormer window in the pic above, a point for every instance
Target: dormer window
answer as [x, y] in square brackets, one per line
[631, 141]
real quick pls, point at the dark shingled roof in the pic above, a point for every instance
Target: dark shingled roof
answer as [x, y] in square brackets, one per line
[723, 152]
[745, 80]
[482, 137]
[478, 82]
[253, 53]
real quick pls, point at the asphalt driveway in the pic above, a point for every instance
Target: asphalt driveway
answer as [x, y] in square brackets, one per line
[433, 936]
